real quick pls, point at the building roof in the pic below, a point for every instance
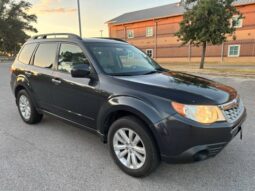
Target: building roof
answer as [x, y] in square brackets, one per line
[159, 12]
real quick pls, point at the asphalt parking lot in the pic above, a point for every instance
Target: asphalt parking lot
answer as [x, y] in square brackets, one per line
[56, 156]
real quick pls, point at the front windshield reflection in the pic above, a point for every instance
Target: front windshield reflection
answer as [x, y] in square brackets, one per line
[123, 60]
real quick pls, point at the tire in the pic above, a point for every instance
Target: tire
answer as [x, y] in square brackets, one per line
[25, 105]
[123, 152]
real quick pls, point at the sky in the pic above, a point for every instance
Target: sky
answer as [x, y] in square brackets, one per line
[61, 15]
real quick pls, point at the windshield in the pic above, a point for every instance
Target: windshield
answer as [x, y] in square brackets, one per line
[123, 60]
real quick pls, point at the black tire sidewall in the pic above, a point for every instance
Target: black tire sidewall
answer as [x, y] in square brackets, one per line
[136, 125]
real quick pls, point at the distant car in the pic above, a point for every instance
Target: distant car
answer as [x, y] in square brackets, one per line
[144, 112]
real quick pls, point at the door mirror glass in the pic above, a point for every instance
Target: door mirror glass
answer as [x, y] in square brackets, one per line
[81, 71]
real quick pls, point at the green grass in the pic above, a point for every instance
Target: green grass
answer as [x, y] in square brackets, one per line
[241, 70]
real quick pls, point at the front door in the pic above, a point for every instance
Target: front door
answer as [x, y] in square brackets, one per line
[75, 99]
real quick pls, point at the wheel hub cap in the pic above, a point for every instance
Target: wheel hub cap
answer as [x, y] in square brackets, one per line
[129, 148]
[25, 107]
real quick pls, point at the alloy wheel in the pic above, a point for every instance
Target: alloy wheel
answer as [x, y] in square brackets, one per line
[25, 107]
[129, 148]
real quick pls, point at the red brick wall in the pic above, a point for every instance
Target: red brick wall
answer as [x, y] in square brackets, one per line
[166, 45]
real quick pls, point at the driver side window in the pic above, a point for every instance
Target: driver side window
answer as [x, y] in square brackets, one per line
[70, 55]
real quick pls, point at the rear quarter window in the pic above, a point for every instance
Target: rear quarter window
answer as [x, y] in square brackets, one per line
[26, 53]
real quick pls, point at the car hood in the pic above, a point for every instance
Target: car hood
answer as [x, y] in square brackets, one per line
[181, 87]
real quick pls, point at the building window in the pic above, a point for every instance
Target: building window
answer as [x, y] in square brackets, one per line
[149, 52]
[233, 50]
[236, 22]
[149, 31]
[130, 34]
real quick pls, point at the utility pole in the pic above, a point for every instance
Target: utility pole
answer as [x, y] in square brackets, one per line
[101, 32]
[79, 17]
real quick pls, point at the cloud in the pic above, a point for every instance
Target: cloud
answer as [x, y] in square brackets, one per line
[58, 10]
[51, 6]
[47, 2]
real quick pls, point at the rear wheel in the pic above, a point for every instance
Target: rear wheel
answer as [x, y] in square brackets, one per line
[27, 109]
[132, 147]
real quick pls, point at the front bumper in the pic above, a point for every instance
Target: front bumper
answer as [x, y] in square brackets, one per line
[182, 140]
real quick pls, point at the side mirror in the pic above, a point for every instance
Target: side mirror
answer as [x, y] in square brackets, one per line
[81, 71]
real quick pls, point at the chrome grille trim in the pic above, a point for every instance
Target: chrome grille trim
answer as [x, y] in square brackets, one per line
[233, 110]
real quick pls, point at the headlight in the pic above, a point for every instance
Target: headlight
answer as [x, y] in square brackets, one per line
[205, 114]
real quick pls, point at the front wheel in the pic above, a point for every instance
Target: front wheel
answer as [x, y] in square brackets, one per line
[132, 147]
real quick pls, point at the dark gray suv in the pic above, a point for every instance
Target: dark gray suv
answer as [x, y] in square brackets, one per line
[144, 112]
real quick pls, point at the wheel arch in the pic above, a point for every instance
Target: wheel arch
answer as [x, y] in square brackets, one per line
[127, 106]
[22, 83]
[18, 88]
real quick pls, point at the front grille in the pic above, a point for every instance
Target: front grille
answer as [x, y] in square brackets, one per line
[233, 110]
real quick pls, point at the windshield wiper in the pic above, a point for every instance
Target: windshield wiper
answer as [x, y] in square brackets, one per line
[123, 74]
[137, 74]
[151, 72]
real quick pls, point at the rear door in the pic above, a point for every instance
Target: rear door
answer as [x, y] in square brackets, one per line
[41, 73]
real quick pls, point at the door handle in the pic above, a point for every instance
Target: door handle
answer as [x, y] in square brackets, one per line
[28, 74]
[56, 81]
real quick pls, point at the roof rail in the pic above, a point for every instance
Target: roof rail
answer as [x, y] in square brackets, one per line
[108, 38]
[55, 35]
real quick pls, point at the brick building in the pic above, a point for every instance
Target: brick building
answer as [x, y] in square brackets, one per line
[152, 30]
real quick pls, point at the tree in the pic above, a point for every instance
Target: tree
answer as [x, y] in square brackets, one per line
[207, 22]
[14, 23]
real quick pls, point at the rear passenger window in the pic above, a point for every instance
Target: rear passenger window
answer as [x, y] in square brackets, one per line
[69, 56]
[26, 53]
[45, 55]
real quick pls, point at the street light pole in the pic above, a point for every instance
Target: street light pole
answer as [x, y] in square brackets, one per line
[101, 31]
[79, 17]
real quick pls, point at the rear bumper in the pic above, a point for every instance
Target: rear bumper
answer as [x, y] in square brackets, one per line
[181, 140]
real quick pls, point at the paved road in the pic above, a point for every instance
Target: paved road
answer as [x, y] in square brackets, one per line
[55, 156]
